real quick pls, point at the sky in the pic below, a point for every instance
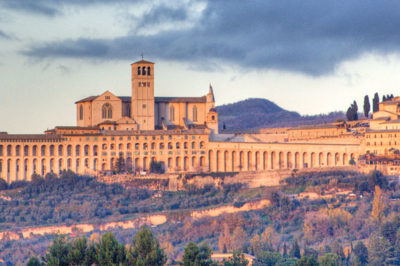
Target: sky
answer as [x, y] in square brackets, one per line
[312, 56]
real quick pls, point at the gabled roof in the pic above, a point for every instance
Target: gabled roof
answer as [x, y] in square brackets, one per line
[201, 99]
[142, 62]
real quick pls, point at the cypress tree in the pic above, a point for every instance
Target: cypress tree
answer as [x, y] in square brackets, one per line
[375, 103]
[367, 106]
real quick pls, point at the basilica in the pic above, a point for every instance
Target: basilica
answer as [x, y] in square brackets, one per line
[181, 134]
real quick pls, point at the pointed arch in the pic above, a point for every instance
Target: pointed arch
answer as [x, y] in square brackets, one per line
[106, 111]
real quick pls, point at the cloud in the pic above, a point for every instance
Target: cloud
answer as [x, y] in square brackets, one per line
[4, 35]
[311, 37]
[52, 7]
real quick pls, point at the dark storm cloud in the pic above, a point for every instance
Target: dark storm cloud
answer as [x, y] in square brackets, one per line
[52, 7]
[311, 37]
[162, 14]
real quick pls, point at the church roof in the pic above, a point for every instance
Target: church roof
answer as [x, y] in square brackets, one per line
[142, 61]
[202, 99]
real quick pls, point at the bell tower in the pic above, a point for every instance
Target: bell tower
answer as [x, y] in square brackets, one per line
[143, 94]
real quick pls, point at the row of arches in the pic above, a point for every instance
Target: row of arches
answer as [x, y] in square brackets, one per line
[22, 169]
[236, 161]
[91, 150]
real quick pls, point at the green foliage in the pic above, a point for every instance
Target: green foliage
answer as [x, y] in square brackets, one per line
[156, 167]
[380, 251]
[34, 261]
[237, 259]
[329, 259]
[120, 164]
[109, 251]
[269, 258]
[81, 252]
[367, 106]
[145, 249]
[360, 251]
[307, 261]
[195, 256]
[3, 184]
[57, 253]
[375, 103]
[352, 112]
[295, 250]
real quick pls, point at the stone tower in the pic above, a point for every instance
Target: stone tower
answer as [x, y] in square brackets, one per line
[143, 94]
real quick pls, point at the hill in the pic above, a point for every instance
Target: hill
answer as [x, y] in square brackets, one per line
[256, 113]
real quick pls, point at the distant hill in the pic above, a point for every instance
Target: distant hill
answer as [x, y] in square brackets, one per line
[256, 113]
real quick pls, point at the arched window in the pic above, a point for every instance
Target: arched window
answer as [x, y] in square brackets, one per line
[81, 112]
[148, 71]
[172, 113]
[106, 111]
[144, 71]
[138, 70]
[194, 114]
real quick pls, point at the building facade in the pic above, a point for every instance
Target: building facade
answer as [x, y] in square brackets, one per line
[181, 133]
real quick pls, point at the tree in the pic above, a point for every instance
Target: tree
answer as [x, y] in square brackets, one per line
[255, 244]
[57, 253]
[109, 251]
[375, 103]
[239, 239]
[378, 205]
[307, 261]
[145, 249]
[195, 256]
[156, 167]
[329, 259]
[224, 240]
[3, 184]
[120, 164]
[295, 251]
[81, 253]
[269, 258]
[352, 112]
[34, 261]
[367, 106]
[237, 259]
[361, 251]
[380, 251]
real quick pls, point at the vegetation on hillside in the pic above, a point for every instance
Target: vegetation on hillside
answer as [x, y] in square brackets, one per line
[352, 220]
[261, 113]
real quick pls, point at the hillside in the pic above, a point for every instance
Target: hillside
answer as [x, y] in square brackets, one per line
[261, 113]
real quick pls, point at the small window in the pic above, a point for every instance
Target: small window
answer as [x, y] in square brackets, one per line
[144, 71]
[148, 71]
[138, 70]
[144, 106]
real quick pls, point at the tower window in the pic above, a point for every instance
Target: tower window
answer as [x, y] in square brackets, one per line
[138, 70]
[144, 71]
[81, 112]
[106, 111]
[148, 71]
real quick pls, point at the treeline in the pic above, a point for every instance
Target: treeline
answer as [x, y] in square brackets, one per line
[352, 111]
[70, 198]
[144, 250]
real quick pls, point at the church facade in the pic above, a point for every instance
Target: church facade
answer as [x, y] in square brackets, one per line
[180, 133]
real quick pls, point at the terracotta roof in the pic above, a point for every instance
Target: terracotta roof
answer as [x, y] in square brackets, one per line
[108, 122]
[202, 99]
[154, 132]
[316, 127]
[22, 137]
[76, 128]
[143, 61]
[87, 99]
[381, 130]
[392, 121]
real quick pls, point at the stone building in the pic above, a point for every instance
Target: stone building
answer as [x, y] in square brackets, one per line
[181, 133]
